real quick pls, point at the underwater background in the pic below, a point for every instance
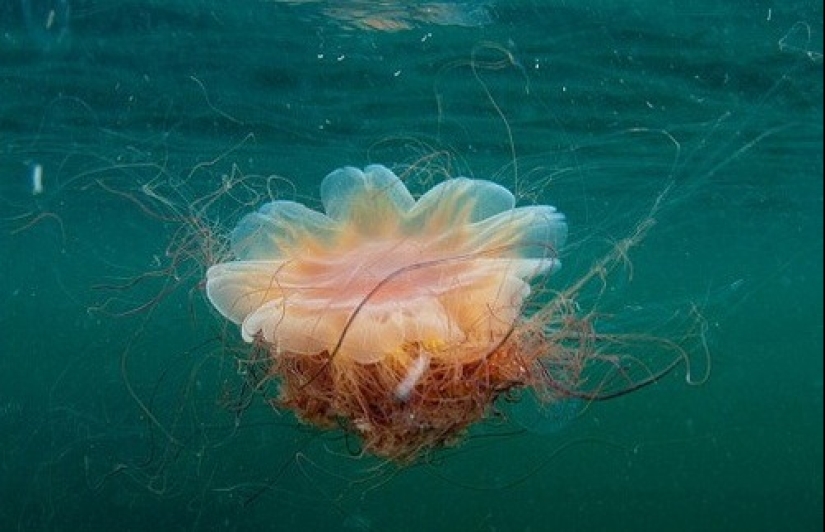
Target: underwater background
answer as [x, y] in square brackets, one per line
[127, 127]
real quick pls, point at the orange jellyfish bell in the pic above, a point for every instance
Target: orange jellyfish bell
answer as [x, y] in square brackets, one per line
[393, 318]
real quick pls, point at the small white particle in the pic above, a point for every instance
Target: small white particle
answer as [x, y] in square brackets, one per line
[414, 373]
[37, 179]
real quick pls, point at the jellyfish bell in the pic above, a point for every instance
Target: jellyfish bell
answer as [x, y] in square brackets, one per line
[397, 319]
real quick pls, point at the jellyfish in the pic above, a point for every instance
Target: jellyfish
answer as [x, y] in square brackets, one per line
[397, 319]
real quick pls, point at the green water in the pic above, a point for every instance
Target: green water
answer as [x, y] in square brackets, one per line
[122, 421]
